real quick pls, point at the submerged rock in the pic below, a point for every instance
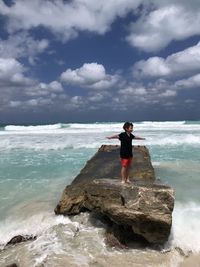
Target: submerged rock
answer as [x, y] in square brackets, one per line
[140, 209]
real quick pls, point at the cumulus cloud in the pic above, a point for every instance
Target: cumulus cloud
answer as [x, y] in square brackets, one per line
[22, 45]
[66, 18]
[166, 21]
[180, 63]
[11, 72]
[158, 23]
[11, 80]
[27, 94]
[190, 82]
[138, 96]
[21, 92]
[153, 67]
[133, 90]
[44, 89]
[168, 93]
[90, 75]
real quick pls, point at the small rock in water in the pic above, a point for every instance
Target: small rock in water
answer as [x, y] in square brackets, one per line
[182, 252]
[19, 239]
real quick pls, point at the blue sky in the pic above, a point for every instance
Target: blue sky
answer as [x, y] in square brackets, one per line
[88, 60]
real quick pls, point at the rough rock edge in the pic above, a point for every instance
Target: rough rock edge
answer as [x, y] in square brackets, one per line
[82, 197]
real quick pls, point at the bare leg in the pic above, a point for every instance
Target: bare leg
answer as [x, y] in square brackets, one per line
[123, 174]
[127, 175]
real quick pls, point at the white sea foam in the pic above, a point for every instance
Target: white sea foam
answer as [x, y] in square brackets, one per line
[75, 239]
[34, 225]
[155, 163]
[163, 123]
[173, 139]
[185, 232]
[81, 128]
[32, 128]
[79, 140]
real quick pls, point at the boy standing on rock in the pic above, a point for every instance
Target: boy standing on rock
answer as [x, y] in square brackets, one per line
[126, 153]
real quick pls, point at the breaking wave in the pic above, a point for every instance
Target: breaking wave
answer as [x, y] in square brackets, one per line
[101, 127]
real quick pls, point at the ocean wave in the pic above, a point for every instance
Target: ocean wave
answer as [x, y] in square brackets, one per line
[34, 225]
[185, 232]
[77, 141]
[74, 238]
[174, 140]
[33, 127]
[100, 127]
[164, 122]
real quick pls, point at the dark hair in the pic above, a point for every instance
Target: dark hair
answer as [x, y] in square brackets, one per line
[127, 125]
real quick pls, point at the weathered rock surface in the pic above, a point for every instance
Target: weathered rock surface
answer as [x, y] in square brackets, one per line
[106, 164]
[142, 208]
[146, 208]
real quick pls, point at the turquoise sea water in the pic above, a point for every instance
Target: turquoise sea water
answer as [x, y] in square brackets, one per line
[37, 162]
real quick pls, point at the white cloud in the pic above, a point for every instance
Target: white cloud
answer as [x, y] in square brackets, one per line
[96, 98]
[22, 45]
[134, 94]
[167, 21]
[133, 90]
[8, 67]
[159, 21]
[66, 19]
[15, 103]
[154, 66]
[21, 92]
[191, 82]
[90, 75]
[44, 89]
[168, 93]
[12, 73]
[189, 101]
[32, 102]
[180, 63]
[78, 103]
[28, 104]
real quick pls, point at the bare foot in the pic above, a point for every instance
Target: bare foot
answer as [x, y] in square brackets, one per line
[128, 181]
[123, 182]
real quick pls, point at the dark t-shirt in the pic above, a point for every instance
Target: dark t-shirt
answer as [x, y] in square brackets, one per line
[126, 145]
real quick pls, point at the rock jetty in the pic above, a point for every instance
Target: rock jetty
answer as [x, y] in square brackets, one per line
[141, 209]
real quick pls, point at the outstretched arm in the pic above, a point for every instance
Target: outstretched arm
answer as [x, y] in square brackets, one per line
[139, 138]
[113, 137]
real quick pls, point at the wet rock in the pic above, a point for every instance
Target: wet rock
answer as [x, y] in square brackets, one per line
[19, 239]
[122, 236]
[182, 252]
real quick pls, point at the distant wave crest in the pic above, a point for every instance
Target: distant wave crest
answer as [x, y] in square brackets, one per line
[33, 127]
[102, 127]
